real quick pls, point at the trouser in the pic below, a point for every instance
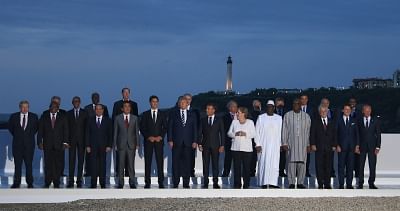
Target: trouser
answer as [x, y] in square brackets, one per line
[372, 166]
[323, 163]
[213, 154]
[23, 154]
[241, 168]
[253, 164]
[227, 158]
[181, 164]
[126, 157]
[308, 164]
[356, 164]
[296, 169]
[98, 164]
[345, 167]
[157, 147]
[53, 163]
[282, 162]
[76, 150]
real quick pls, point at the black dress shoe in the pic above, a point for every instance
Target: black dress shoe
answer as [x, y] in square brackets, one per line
[186, 186]
[341, 187]
[120, 187]
[161, 186]
[349, 187]
[103, 187]
[56, 186]
[274, 187]
[264, 186]
[204, 186]
[133, 186]
[216, 186]
[30, 186]
[146, 186]
[175, 186]
[328, 187]
[360, 187]
[237, 187]
[70, 185]
[246, 186]
[79, 185]
[292, 186]
[372, 186]
[320, 187]
[13, 186]
[301, 186]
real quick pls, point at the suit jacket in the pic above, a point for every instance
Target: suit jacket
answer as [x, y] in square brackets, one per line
[117, 109]
[212, 136]
[370, 138]
[77, 127]
[53, 138]
[91, 112]
[179, 134]
[126, 138]
[99, 137]
[23, 138]
[347, 135]
[324, 139]
[281, 113]
[149, 128]
[227, 124]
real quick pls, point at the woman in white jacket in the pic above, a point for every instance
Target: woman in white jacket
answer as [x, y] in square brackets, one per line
[242, 131]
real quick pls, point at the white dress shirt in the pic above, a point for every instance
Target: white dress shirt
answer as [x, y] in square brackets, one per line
[21, 118]
[127, 116]
[212, 119]
[242, 143]
[365, 121]
[155, 112]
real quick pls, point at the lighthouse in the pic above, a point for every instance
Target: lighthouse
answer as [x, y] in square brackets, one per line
[228, 86]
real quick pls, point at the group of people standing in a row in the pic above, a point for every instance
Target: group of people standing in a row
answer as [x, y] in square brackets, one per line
[277, 139]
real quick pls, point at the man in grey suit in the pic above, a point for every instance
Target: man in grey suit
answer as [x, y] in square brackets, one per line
[126, 140]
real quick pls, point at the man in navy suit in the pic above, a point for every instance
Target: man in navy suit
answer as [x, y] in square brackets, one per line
[98, 143]
[305, 107]
[281, 111]
[182, 138]
[370, 144]
[23, 126]
[348, 139]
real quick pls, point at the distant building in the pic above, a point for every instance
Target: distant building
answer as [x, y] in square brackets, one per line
[228, 85]
[371, 83]
[289, 91]
[396, 79]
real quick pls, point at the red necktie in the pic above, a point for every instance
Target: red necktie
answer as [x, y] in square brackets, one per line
[126, 122]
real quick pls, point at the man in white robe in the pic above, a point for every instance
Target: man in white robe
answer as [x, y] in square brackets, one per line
[268, 143]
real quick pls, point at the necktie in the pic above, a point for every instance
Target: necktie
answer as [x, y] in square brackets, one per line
[24, 122]
[53, 120]
[126, 122]
[183, 118]
[154, 117]
[324, 123]
[347, 121]
[210, 121]
[304, 109]
[76, 114]
[98, 123]
[366, 122]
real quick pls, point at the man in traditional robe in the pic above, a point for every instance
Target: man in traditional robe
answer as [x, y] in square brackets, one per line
[296, 139]
[268, 144]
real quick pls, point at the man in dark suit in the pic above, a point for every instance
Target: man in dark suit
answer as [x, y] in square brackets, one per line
[23, 126]
[255, 112]
[212, 142]
[332, 115]
[228, 118]
[348, 139]
[154, 126]
[98, 143]
[53, 138]
[182, 138]
[117, 110]
[91, 111]
[196, 112]
[77, 119]
[323, 141]
[305, 107]
[370, 144]
[91, 108]
[281, 111]
[126, 140]
[355, 114]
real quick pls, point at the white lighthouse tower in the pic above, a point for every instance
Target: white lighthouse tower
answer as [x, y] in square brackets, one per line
[228, 86]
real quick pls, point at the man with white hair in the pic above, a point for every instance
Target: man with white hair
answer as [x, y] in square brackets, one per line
[268, 144]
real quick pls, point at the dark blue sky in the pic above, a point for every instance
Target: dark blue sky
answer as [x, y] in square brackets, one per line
[75, 47]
